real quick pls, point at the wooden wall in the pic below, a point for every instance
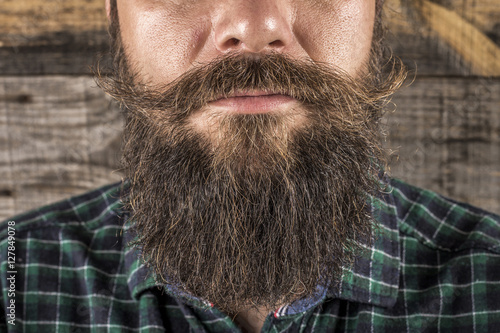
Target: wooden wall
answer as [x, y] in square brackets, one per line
[60, 135]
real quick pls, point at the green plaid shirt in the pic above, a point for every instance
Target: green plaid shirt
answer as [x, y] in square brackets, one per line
[435, 267]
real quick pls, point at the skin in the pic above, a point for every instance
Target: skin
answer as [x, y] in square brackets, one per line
[165, 38]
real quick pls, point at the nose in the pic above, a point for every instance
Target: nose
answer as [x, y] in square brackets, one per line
[253, 26]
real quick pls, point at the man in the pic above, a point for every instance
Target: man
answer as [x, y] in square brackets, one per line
[255, 197]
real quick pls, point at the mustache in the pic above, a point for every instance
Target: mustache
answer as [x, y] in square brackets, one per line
[312, 83]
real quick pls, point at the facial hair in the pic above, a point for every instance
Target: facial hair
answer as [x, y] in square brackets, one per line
[259, 211]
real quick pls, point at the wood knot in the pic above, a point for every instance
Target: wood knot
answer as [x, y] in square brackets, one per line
[6, 192]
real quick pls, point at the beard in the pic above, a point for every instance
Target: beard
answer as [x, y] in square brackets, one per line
[258, 210]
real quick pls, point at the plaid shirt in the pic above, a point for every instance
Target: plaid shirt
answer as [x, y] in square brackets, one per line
[435, 267]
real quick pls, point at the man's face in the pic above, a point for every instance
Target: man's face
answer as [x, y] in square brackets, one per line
[251, 141]
[166, 38]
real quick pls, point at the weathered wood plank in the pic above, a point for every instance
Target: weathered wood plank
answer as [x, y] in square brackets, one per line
[469, 42]
[55, 53]
[448, 131]
[36, 17]
[442, 37]
[439, 37]
[60, 135]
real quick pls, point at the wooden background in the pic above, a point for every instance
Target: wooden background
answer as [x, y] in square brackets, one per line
[60, 135]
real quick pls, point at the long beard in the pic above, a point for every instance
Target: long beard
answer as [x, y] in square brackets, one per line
[260, 211]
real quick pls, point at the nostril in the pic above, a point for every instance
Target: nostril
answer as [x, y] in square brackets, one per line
[232, 42]
[277, 43]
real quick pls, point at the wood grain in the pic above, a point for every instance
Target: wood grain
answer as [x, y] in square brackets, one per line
[22, 21]
[447, 135]
[59, 135]
[473, 46]
[442, 37]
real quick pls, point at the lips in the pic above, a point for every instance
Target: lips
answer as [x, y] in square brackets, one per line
[253, 102]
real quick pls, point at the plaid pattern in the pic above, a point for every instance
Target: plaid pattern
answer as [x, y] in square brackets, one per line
[435, 267]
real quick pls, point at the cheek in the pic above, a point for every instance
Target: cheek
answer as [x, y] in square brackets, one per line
[159, 43]
[342, 37]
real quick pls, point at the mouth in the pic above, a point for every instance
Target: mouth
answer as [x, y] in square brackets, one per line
[253, 102]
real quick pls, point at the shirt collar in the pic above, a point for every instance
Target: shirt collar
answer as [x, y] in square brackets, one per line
[372, 279]
[374, 276]
[140, 278]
